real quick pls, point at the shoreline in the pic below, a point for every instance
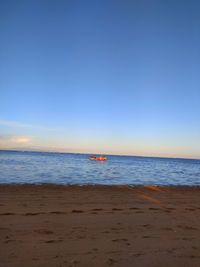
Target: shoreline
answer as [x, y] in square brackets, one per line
[56, 185]
[96, 225]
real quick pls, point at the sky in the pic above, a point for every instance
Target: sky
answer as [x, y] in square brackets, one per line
[101, 76]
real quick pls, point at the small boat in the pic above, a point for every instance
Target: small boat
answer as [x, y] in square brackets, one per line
[98, 158]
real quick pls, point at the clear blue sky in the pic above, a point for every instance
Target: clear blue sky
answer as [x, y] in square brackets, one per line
[118, 77]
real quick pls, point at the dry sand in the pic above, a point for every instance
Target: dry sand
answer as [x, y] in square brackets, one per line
[99, 226]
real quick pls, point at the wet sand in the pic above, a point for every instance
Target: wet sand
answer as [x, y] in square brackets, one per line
[99, 226]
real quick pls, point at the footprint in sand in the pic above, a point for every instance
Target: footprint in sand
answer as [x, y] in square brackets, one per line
[119, 240]
[194, 256]
[7, 213]
[167, 229]
[170, 209]
[137, 254]
[57, 212]
[81, 237]
[111, 261]
[53, 241]
[24, 205]
[105, 232]
[33, 213]
[185, 227]
[4, 229]
[139, 211]
[187, 238]
[35, 259]
[146, 225]
[190, 209]
[77, 211]
[44, 231]
[12, 240]
[113, 252]
[116, 228]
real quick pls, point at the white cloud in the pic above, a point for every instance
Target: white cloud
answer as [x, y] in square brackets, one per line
[20, 139]
[9, 141]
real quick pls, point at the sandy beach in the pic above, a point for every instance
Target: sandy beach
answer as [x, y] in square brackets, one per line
[99, 226]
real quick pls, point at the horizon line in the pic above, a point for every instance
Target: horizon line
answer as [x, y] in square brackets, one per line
[88, 153]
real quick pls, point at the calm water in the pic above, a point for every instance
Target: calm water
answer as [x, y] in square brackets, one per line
[60, 168]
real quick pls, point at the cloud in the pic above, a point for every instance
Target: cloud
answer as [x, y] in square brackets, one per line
[20, 139]
[9, 141]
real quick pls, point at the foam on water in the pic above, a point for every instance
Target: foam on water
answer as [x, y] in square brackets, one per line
[62, 168]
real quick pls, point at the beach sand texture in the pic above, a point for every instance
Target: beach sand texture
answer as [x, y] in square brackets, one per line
[51, 225]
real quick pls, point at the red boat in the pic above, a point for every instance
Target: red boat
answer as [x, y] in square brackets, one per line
[98, 158]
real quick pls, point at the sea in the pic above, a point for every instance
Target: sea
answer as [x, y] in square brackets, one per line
[17, 167]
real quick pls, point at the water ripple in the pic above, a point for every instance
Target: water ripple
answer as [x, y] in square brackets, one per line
[60, 168]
